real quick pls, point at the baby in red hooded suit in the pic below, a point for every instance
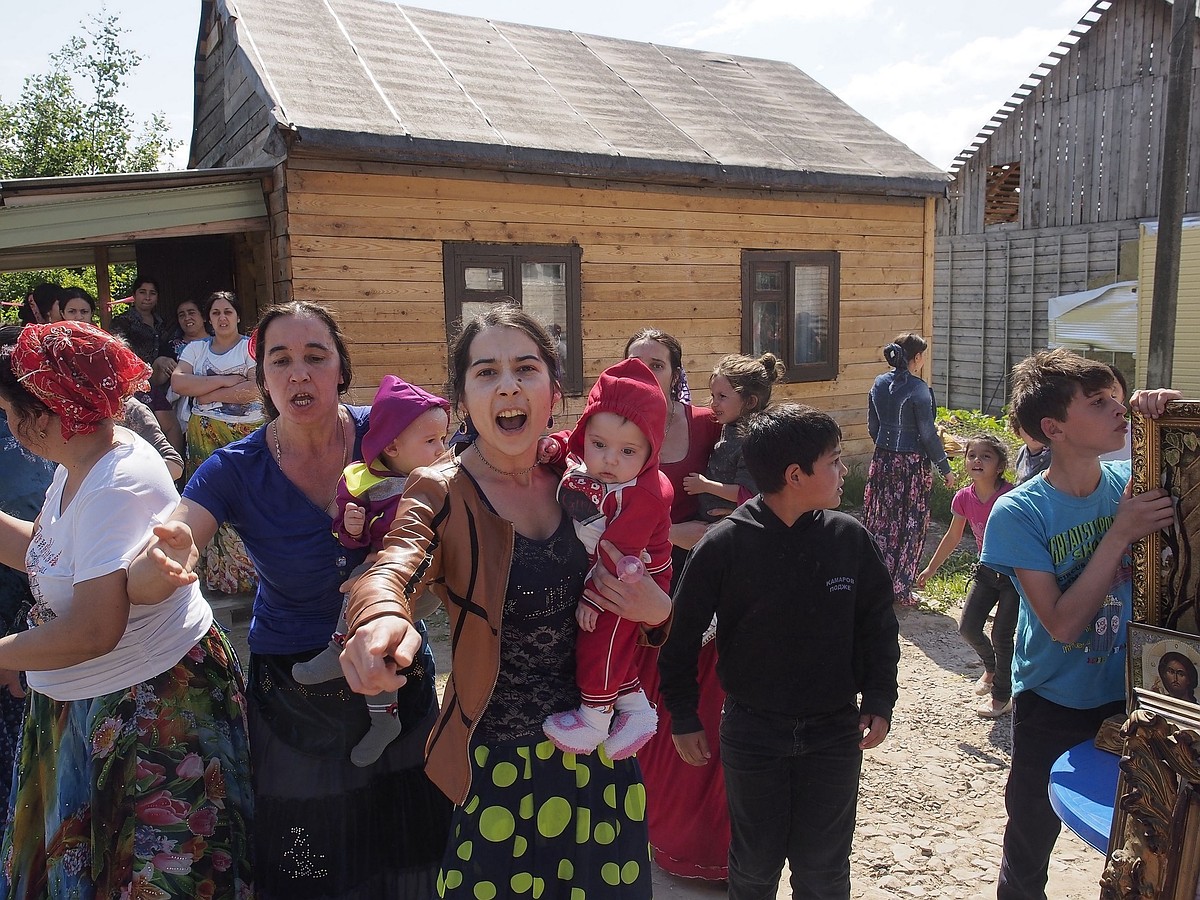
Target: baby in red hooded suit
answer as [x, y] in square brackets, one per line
[613, 491]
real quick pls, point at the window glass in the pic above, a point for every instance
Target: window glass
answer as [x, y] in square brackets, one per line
[768, 281]
[811, 328]
[544, 296]
[767, 325]
[480, 278]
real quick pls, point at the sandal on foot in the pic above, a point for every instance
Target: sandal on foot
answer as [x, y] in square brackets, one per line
[989, 710]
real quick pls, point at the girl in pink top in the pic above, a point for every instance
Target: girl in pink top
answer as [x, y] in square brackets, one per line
[986, 460]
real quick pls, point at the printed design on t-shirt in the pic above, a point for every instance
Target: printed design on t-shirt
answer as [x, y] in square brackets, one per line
[582, 496]
[41, 557]
[230, 410]
[1073, 548]
[840, 583]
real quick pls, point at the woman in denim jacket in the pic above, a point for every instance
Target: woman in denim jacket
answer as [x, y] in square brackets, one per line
[900, 416]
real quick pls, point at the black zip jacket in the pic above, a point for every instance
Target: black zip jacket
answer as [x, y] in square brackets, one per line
[804, 617]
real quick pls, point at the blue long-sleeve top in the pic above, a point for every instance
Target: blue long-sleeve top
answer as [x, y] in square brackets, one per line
[900, 417]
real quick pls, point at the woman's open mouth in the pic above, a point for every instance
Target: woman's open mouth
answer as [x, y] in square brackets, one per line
[511, 420]
[302, 400]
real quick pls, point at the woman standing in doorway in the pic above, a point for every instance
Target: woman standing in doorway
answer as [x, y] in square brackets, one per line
[143, 329]
[218, 374]
[900, 418]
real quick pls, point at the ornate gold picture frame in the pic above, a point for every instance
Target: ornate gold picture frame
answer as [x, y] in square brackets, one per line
[1166, 565]
[1154, 852]
[1154, 849]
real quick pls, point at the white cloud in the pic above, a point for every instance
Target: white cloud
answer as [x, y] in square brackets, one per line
[739, 16]
[937, 106]
[938, 135]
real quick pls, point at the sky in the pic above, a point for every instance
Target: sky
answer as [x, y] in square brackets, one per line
[930, 72]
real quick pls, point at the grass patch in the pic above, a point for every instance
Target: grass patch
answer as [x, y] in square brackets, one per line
[854, 488]
[949, 586]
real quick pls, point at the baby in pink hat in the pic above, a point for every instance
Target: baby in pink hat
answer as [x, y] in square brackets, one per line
[408, 430]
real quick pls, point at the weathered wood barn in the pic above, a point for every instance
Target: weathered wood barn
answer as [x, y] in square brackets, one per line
[1048, 198]
[427, 163]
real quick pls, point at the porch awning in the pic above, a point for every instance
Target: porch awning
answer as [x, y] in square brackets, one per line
[47, 223]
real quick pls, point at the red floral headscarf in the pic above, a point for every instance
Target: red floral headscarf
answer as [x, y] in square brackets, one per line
[81, 373]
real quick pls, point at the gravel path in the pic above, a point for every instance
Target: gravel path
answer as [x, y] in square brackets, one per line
[931, 809]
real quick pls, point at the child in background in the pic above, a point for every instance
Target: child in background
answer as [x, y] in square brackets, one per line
[986, 459]
[1121, 392]
[613, 491]
[408, 430]
[741, 387]
[1034, 457]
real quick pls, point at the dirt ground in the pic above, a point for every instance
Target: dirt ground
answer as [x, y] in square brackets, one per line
[931, 808]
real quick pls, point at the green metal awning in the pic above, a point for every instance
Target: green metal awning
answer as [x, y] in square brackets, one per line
[60, 222]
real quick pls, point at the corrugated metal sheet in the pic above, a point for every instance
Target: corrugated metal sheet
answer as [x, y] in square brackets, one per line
[1105, 318]
[419, 86]
[1186, 366]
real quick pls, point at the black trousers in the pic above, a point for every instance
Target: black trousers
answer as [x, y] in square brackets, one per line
[1042, 732]
[792, 789]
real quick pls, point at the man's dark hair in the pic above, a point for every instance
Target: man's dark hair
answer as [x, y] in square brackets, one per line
[784, 434]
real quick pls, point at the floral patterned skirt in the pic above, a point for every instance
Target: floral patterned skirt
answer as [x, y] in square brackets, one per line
[224, 564]
[896, 512]
[142, 793]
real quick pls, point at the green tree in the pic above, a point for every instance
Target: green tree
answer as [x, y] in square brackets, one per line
[71, 121]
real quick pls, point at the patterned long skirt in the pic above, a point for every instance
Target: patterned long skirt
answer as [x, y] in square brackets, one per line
[896, 512]
[224, 563]
[543, 823]
[144, 792]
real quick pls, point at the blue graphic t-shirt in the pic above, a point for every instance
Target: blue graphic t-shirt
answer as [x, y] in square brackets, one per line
[1037, 527]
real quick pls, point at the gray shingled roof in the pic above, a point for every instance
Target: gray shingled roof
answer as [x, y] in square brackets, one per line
[369, 77]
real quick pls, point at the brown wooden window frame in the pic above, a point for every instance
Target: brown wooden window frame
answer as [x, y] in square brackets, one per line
[785, 263]
[457, 257]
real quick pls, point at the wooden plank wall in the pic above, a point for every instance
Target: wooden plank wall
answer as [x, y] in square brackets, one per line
[234, 125]
[1089, 136]
[369, 243]
[990, 301]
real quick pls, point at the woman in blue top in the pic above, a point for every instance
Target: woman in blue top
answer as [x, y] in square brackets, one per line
[324, 827]
[900, 417]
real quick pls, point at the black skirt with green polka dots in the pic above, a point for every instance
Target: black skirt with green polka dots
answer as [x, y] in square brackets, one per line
[549, 825]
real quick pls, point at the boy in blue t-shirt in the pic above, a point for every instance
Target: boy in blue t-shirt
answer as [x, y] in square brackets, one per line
[1064, 538]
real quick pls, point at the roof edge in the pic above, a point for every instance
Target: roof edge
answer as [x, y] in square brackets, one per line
[406, 150]
[122, 181]
[1018, 97]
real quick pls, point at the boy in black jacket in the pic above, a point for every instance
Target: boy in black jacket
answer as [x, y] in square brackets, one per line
[805, 625]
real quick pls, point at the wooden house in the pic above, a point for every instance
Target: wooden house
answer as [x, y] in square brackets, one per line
[1186, 369]
[1048, 199]
[424, 164]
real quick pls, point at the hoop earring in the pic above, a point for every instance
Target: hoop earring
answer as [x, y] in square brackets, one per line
[465, 427]
[550, 422]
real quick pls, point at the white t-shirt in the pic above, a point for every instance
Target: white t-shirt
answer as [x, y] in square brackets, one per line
[100, 532]
[235, 361]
